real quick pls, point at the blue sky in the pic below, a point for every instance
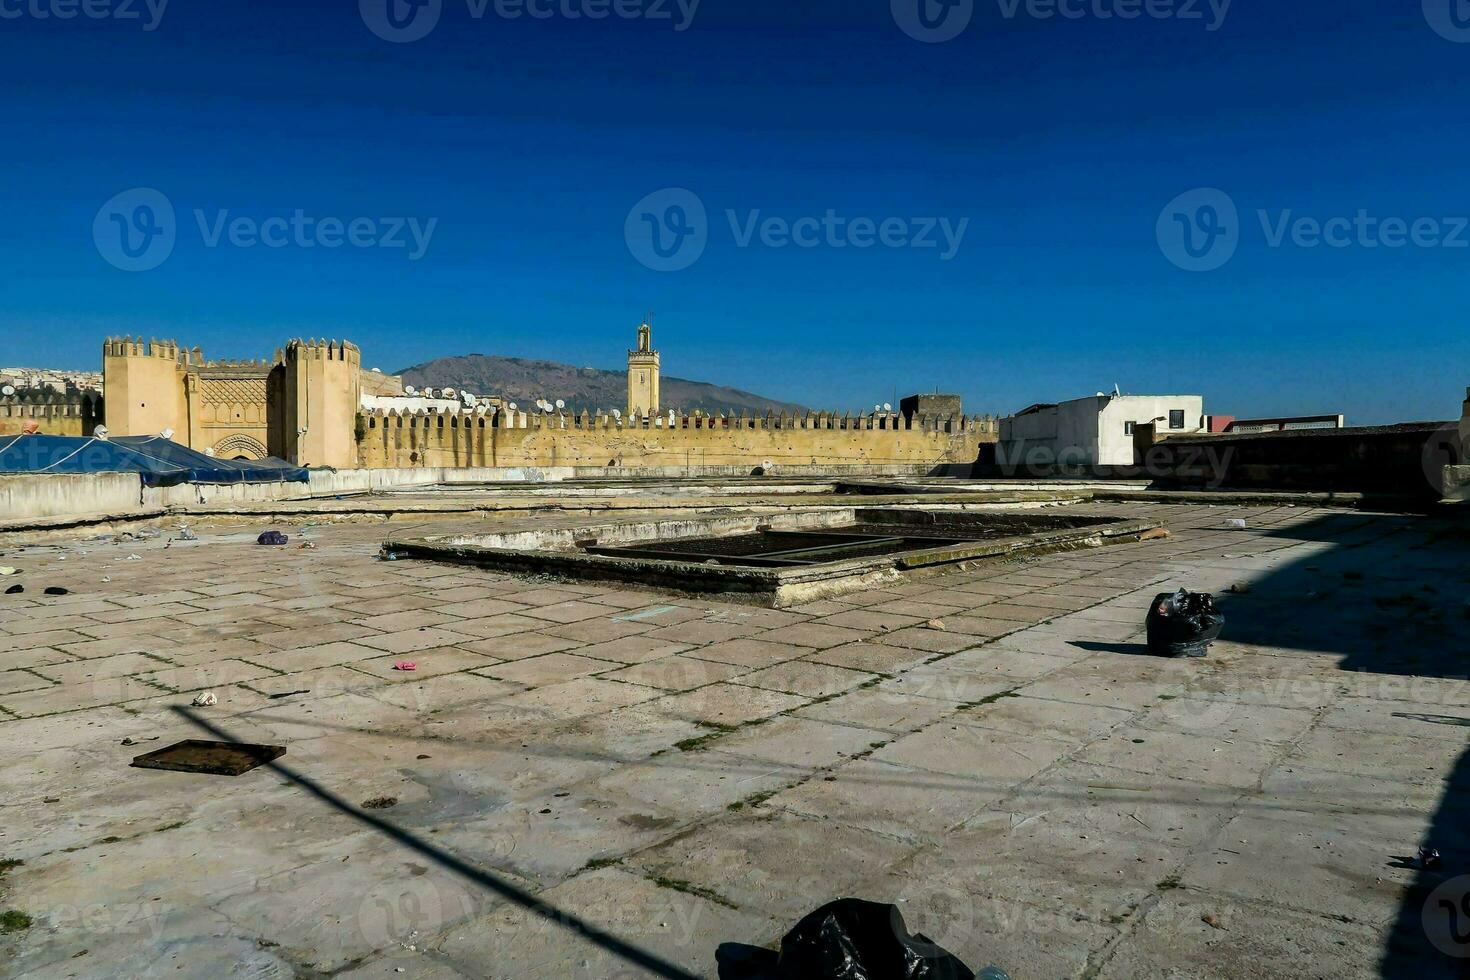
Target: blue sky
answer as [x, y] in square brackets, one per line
[521, 146]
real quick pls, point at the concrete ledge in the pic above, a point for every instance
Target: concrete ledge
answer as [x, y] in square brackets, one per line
[552, 552]
[25, 525]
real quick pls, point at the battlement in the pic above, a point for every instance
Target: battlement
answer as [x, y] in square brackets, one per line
[167, 350]
[496, 436]
[324, 350]
[502, 418]
[251, 366]
[60, 413]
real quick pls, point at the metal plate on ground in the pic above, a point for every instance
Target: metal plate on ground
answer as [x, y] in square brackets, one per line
[214, 758]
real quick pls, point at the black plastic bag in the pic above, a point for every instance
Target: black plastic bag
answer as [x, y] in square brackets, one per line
[1183, 624]
[848, 939]
[271, 537]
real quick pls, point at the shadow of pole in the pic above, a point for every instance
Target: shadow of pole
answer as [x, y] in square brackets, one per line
[517, 896]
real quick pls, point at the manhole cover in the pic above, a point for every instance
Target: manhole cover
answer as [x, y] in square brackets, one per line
[215, 758]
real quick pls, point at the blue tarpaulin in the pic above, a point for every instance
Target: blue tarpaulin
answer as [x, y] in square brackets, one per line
[158, 461]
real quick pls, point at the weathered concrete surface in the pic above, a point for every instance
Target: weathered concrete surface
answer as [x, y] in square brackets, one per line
[1031, 787]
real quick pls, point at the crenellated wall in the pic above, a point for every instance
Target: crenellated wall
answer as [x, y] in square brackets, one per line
[500, 438]
[56, 413]
[322, 391]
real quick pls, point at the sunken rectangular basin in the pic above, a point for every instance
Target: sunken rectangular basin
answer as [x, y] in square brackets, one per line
[775, 560]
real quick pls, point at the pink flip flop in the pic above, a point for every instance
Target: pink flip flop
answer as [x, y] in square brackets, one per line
[406, 665]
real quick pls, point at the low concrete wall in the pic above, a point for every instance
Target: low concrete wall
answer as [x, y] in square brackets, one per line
[80, 497]
[49, 495]
[1402, 460]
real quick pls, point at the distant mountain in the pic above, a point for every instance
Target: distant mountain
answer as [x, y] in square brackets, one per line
[523, 381]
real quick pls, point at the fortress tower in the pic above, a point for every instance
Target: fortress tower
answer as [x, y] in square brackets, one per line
[144, 386]
[643, 375]
[322, 393]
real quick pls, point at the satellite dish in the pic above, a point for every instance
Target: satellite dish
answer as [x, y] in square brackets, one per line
[887, 407]
[410, 390]
[512, 406]
[428, 392]
[377, 370]
[617, 414]
[167, 433]
[209, 451]
[7, 390]
[877, 408]
[560, 403]
[100, 432]
[448, 392]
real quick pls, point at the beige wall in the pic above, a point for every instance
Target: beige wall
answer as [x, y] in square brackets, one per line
[534, 441]
[144, 386]
[323, 392]
[57, 413]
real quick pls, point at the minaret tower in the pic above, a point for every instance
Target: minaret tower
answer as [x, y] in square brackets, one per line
[643, 375]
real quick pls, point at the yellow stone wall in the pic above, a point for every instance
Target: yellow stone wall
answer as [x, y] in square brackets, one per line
[518, 439]
[58, 413]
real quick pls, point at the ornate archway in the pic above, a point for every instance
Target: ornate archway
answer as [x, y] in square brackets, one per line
[239, 446]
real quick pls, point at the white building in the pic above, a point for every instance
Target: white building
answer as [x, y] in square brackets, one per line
[1093, 431]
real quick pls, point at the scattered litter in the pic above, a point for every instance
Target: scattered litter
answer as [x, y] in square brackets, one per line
[205, 700]
[848, 939]
[186, 534]
[56, 590]
[385, 555]
[134, 741]
[935, 624]
[133, 558]
[107, 578]
[9, 570]
[1183, 624]
[406, 665]
[1213, 921]
[308, 544]
[272, 538]
[1236, 522]
[1428, 858]
[1240, 588]
[380, 803]
[15, 590]
[214, 758]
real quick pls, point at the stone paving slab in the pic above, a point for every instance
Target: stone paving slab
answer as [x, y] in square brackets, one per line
[1029, 785]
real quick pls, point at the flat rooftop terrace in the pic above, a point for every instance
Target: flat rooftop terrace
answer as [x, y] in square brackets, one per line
[992, 749]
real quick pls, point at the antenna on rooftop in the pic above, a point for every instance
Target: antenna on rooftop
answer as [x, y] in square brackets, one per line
[560, 403]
